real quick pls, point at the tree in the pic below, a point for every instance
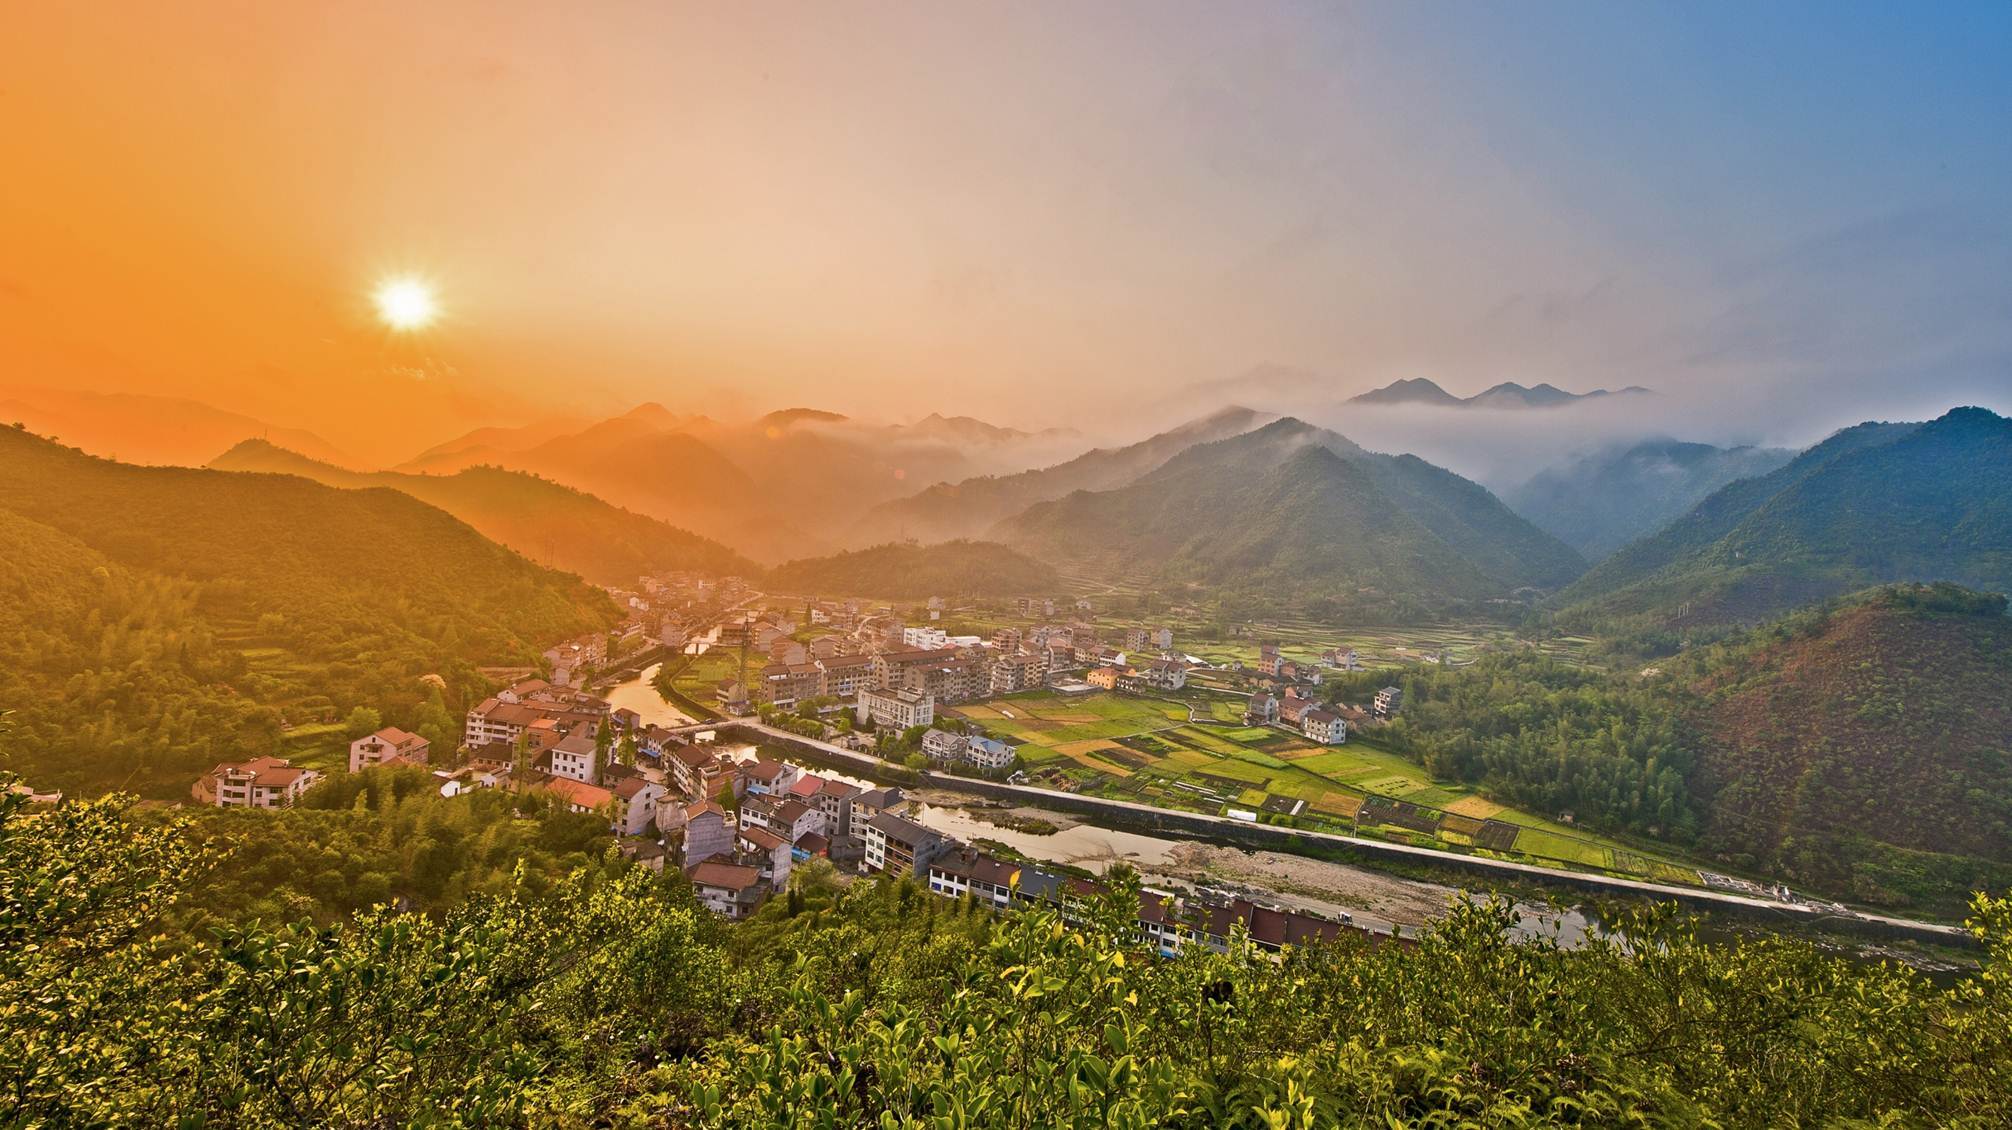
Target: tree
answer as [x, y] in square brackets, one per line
[363, 720]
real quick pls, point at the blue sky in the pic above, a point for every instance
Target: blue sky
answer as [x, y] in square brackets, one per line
[1788, 214]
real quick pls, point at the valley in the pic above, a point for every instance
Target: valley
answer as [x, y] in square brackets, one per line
[1118, 648]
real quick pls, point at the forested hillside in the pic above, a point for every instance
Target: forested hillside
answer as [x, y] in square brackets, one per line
[159, 620]
[1865, 748]
[907, 571]
[970, 507]
[611, 999]
[550, 523]
[1859, 748]
[1296, 513]
[1872, 504]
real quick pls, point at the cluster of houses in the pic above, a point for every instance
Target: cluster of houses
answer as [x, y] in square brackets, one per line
[1311, 718]
[782, 816]
[1164, 674]
[896, 675]
[275, 782]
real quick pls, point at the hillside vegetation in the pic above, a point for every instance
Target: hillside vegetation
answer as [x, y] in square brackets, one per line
[550, 523]
[1872, 504]
[613, 1000]
[907, 571]
[1298, 513]
[158, 620]
[1865, 748]
[1859, 748]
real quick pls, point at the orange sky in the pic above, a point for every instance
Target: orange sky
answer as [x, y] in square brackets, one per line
[1036, 212]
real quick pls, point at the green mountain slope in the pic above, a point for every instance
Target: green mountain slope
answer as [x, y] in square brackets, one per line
[1599, 502]
[903, 571]
[1865, 748]
[160, 619]
[552, 524]
[969, 508]
[1298, 513]
[1874, 503]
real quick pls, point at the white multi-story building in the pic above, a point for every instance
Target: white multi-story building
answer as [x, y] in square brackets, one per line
[388, 744]
[899, 709]
[264, 782]
[925, 639]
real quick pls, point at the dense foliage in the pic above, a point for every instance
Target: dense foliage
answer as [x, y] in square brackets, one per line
[543, 520]
[1858, 748]
[159, 620]
[1610, 750]
[612, 1000]
[1864, 747]
[383, 835]
[906, 571]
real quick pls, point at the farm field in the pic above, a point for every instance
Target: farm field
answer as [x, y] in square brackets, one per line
[1146, 750]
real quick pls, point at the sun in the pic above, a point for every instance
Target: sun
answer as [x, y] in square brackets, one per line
[405, 303]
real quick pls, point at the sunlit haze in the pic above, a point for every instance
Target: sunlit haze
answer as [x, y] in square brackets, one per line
[1038, 214]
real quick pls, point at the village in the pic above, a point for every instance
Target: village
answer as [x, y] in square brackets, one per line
[736, 823]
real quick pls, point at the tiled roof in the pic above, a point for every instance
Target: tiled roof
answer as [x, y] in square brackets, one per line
[728, 876]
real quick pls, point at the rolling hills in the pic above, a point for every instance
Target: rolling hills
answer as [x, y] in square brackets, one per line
[160, 619]
[909, 571]
[970, 507]
[1600, 501]
[1871, 504]
[551, 524]
[1296, 512]
[786, 483]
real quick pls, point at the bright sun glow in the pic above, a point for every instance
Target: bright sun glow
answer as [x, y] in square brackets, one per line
[405, 303]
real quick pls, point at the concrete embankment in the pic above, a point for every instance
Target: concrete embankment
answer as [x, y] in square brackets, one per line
[1129, 816]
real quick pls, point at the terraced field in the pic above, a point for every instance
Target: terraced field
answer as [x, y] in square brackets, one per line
[1145, 749]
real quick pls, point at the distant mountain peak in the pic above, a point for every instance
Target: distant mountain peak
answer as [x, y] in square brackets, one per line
[1410, 390]
[785, 417]
[1508, 394]
[652, 413]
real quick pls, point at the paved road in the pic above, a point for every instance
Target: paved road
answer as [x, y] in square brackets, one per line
[867, 765]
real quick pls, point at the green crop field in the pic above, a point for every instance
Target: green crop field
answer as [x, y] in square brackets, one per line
[1139, 748]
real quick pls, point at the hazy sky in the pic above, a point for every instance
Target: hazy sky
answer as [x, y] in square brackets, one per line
[1041, 213]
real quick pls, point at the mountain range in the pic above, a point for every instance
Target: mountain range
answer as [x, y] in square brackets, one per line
[551, 524]
[970, 507]
[1598, 502]
[160, 430]
[789, 481]
[1295, 512]
[1509, 394]
[1873, 503]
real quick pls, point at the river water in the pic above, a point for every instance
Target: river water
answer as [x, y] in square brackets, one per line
[1380, 902]
[638, 695]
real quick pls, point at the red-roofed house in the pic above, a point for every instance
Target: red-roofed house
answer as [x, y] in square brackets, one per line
[730, 889]
[387, 745]
[263, 782]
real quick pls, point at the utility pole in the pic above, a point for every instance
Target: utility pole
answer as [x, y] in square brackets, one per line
[747, 623]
